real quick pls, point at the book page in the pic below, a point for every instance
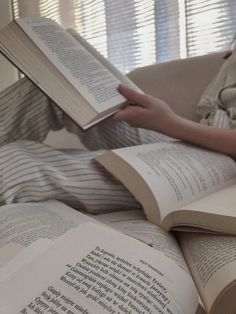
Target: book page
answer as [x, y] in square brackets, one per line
[23, 257]
[23, 224]
[93, 81]
[134, 223]
[212, 262]
[179, 174]
[98, 270]
[107, 64]
[220, 203]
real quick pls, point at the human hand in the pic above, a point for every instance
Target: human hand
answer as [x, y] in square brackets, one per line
[148, 112]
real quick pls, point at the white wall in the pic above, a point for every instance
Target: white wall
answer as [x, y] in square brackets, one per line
[7, 71]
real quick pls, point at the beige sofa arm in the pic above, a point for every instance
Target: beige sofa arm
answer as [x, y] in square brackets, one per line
[180, 83]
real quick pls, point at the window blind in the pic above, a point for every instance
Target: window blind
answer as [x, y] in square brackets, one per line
[124, 31]
[168, 28]
[135, 33]
[210, 25]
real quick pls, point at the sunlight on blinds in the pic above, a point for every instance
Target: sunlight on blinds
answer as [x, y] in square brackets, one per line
[47, 8]
[135, 33]
[145, 17]
[122, 31]
[167, 30]
[210, 25]
[15, 5]
[130, 33]
[182, 29]
[51, 9]
[90, 22]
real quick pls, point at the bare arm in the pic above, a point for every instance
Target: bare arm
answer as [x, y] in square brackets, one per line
[154, 114]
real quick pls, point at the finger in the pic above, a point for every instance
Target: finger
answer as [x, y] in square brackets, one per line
[129, 113]
[138, 98]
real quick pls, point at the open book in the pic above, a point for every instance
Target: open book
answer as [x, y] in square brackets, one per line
[66, 67]
[55, 259]
[178, 185]
[67, 261]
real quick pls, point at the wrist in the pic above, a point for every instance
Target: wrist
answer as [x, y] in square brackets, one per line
[180, 126]
[174, 127]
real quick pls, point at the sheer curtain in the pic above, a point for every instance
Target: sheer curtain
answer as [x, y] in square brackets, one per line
[134, 33]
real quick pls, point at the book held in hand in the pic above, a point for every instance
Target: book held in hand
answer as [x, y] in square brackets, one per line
[65, 67]
[178, 185]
